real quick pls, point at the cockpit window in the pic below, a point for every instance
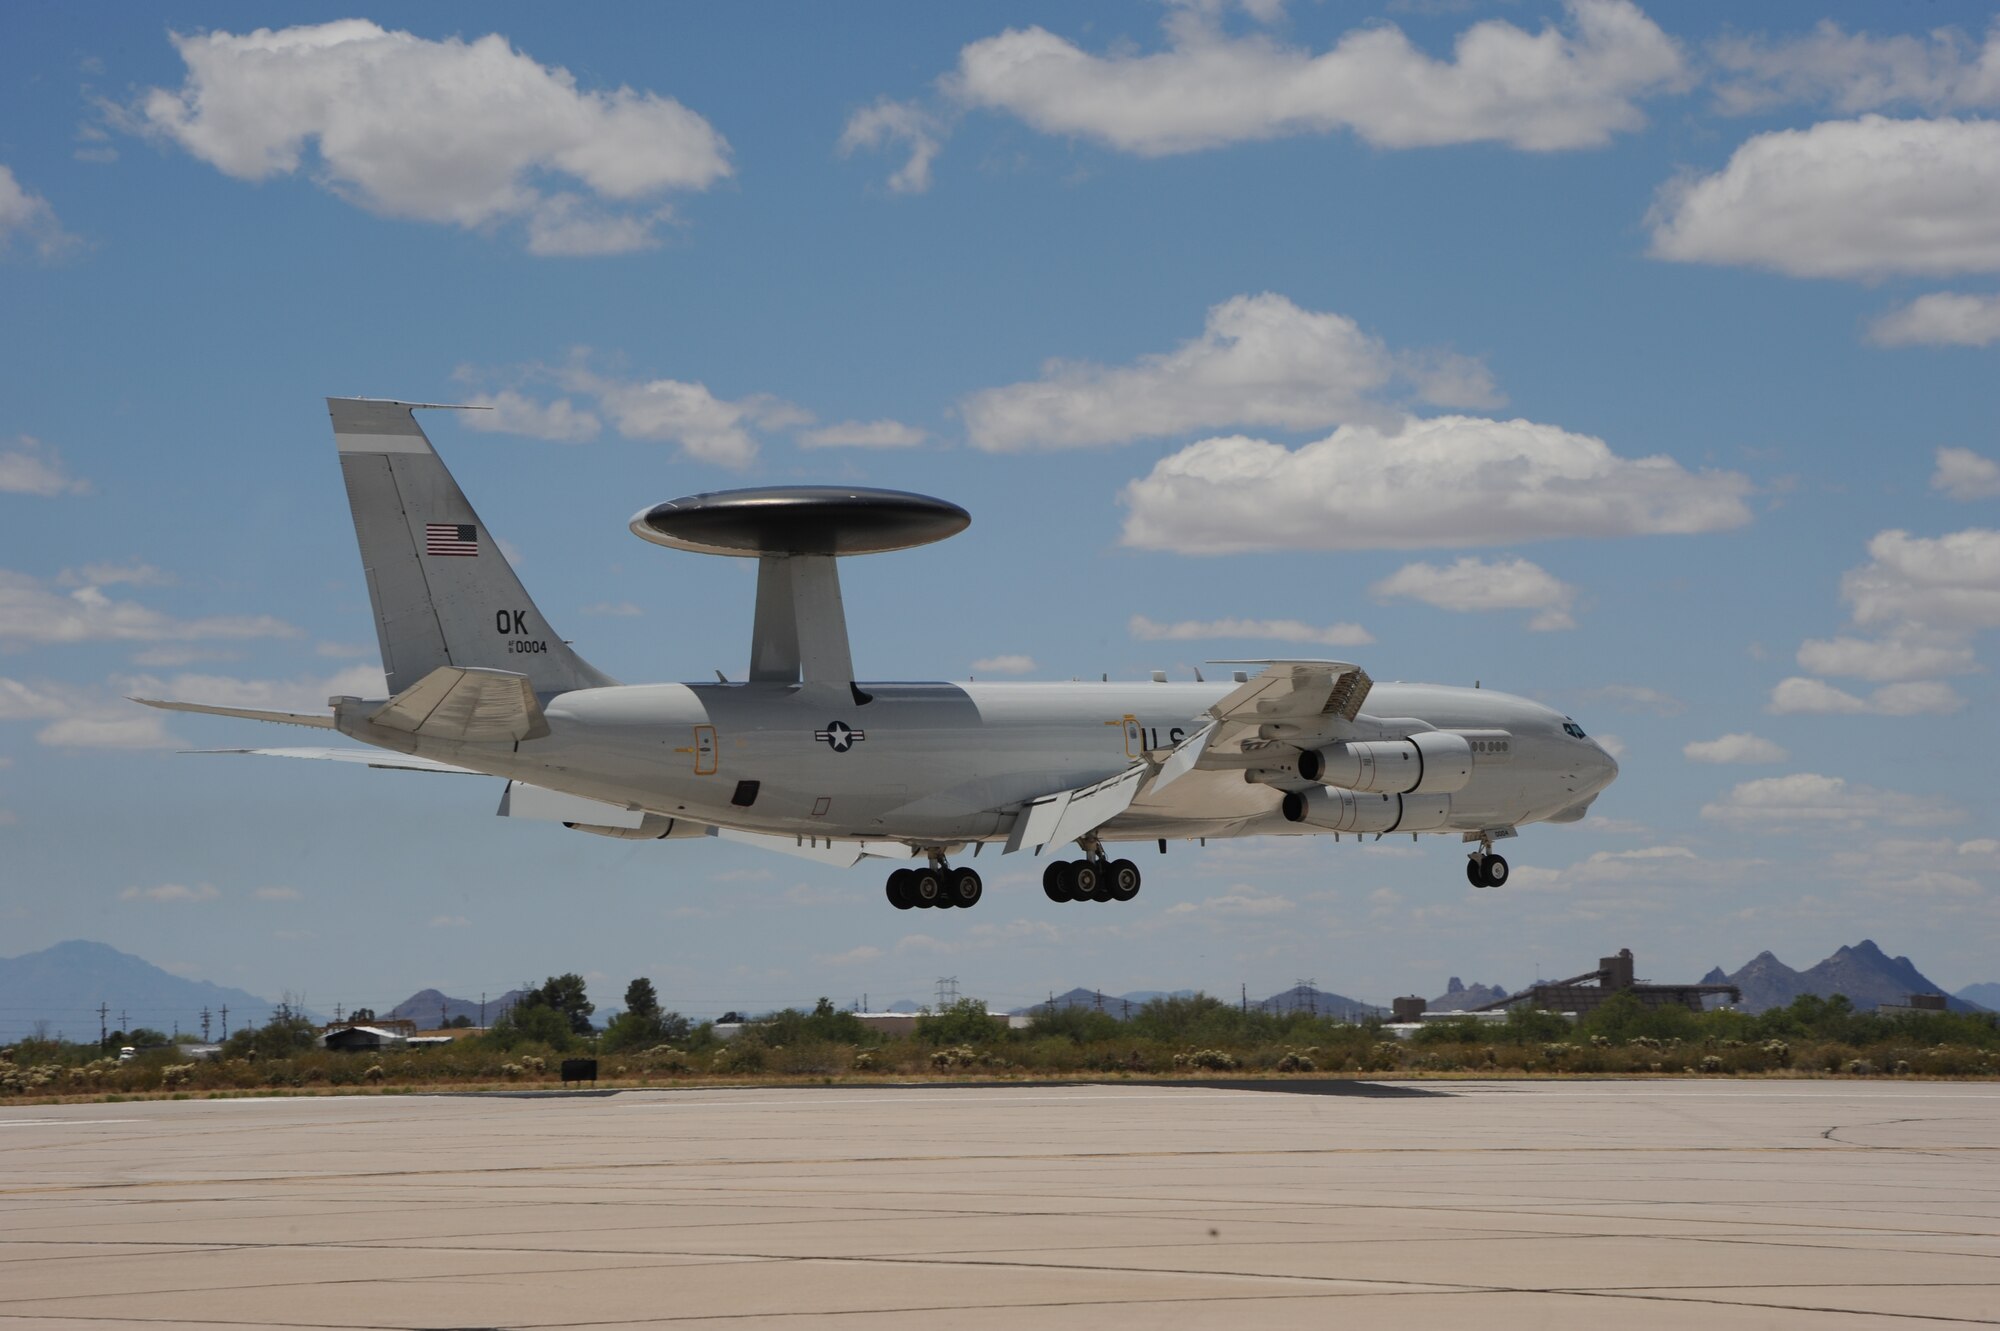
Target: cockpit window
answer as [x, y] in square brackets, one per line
[1572, 729]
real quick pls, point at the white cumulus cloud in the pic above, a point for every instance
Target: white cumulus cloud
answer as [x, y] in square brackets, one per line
[1945, 584]
[1845, 198]
[451, 131]
[32, 613]
[1562, 87]
[1736, 748]
[32, 468]
[1885, 658]
[1806, 800]
[1274, 630]
[1964, 474]
[1447, 481]
[889, 122]
[172, 893]
[1801, 696]
[27, 217]
[709, 428]
[1472, 583]
[1260, 360]
[516, 413]
[1941, 319]
[1012, 663]
[1940, 70]
[863, 434]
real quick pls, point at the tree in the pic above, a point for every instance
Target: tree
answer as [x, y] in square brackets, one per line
[640, 1000]
[963, 1022]
[564, 994]
[362, 1016]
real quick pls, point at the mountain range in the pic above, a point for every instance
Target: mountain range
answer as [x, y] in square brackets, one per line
[58, 991]
[1864, 972]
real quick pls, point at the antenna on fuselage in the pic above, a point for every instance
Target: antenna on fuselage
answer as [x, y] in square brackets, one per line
[796, 533]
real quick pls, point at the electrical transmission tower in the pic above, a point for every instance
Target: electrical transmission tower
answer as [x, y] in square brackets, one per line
[947, 991]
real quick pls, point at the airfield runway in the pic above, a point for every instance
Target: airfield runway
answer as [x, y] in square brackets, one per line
[1492, 1205]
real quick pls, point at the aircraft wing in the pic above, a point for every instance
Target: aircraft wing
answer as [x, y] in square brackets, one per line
[844, 854]
[1301, 693]
[400, 762]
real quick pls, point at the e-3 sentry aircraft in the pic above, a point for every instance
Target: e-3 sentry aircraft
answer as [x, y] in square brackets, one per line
[804, 758]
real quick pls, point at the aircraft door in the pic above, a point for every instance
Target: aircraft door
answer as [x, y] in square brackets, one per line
[704, 751]
[1135, 738]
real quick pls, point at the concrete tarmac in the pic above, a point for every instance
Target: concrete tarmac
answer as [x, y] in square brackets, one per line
[1713, 1204]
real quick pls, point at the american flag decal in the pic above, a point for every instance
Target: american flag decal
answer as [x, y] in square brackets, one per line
[451, 538]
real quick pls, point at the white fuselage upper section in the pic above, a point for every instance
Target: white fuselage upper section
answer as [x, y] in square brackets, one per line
[942, 763]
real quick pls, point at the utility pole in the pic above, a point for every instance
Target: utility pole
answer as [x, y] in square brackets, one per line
[125, 1022]
[204, 1025]
[103, 1030]
[1243, 996]
[482, 1009]
[1100, 1000]
[337, 1014]
[225, 1021]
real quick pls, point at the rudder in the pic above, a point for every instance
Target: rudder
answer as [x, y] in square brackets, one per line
[442, 591]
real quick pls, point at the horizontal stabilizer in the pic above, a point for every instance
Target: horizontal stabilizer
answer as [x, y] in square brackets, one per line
[468, 704]
[395, 762]
[247, 713]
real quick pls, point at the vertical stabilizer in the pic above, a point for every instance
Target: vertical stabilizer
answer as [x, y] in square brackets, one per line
[443, 593]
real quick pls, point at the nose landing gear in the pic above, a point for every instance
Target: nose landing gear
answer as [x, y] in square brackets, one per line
[1485, 869]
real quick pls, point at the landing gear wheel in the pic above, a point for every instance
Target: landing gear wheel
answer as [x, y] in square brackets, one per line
[1472, 874]
[1123, 880]
[925, 891]
[1056, 884]
[1084, 880]
[1496, 871]
[965, 888]
[899, 889]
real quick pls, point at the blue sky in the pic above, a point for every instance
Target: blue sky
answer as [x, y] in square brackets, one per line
[1633, 359]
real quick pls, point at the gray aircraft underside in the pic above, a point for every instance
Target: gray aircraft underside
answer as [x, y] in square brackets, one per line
[802, 757]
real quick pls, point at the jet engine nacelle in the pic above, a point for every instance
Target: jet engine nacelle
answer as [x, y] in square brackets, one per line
[1339, 810]
[653, 827]
[1428, 762]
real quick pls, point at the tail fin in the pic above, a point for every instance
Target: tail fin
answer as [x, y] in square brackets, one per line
[443, 592]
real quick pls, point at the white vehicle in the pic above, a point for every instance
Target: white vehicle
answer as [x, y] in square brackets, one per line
[802, 757]
[126, 1053]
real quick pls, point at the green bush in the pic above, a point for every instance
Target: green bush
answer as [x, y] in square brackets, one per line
[963, 1022]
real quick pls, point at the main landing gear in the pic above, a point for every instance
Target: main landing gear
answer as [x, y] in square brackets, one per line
[938, 887]
[1094, 879]
[1485, 869]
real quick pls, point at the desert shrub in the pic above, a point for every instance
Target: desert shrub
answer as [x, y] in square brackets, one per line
[1207, 1060]
[746, 1053]
[1078, 1025]
[375, 1073]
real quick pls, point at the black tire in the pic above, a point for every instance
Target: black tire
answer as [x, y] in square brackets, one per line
[1084, 880]
[1056, 884]
[1496, 871]
[924, 889]
[899, 895]
[966, 888]
[1123, 880]
[1472, 874]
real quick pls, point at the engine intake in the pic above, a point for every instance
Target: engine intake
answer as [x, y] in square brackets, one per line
[1339, 810]
[1428, 762]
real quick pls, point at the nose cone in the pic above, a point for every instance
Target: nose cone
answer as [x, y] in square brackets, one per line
[1605, 767]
